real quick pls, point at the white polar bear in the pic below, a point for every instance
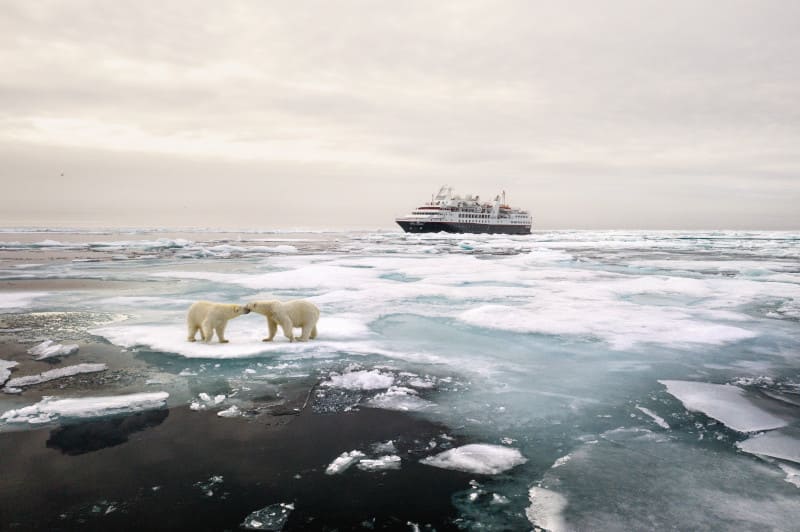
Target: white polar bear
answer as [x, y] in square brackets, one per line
[297, 313]
[208, 317]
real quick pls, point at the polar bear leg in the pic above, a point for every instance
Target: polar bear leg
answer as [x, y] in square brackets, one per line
[313, 334]
[273, 328]
[221, 333]
[193, 328]
[306, 333]
[207, 331]
[286, 325]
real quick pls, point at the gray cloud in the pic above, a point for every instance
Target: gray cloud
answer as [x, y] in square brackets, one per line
[620, 114]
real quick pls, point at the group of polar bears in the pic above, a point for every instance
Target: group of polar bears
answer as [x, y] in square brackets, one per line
[208, 318]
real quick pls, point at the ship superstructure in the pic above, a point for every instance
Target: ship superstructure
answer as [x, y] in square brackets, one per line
[466, 214]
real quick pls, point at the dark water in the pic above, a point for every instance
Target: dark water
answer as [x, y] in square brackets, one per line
[154, 471]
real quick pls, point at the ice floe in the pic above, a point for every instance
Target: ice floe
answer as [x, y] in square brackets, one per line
[53, 408]
[725, 403]
[783, 444]
[361, 380]
[5, 370]
[232, 411]
[272, 517]
[655, 417]
[53, 374]
[382, 463]
[480, 458]
[399, 398]
[19, 300]
[546, 509]
[343, 461]
[51, 349]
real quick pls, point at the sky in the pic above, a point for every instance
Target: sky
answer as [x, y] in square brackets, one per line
[345, 114]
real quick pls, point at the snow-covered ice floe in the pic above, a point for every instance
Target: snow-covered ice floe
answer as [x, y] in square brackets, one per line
[343, 461]
[400, 398]
[655, 417]
[53, 374]
[50, 349]
[382, 463]
[783, 444]
[480, 458]
[273, 517]
[361, 380]
[52, 408]
[5, 370]
[725, 403]
[546, 509]
[245, 336]
[18, 300]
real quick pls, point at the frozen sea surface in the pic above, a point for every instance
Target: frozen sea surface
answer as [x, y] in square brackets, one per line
[610, 380]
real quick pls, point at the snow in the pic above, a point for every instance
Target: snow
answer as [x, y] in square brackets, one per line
[658, 419]
[58, 373]
[19, 300]
[361, 380]
[233, 411]
[792, 474]
[381, 463]
[52, 408]
[343, 461]
[5, 370]
[783, 444]
[479, 458]
[725, 403]
[546, 509]
[50, 349]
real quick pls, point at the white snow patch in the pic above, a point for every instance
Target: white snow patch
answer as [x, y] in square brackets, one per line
[546, 509]
[233, 411]
[381, 463]
[18, 300]
[658, 419]
[792, 474]
[57, 373]
[343, 461]
[561, 461]
[50, 349]
[480, 458]
[361, 380]
[725, 403]
[51, 408]
[783, 444]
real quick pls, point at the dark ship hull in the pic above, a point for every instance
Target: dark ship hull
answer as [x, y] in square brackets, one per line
[422, 226]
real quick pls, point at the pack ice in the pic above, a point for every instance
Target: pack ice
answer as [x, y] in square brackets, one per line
[480, 458]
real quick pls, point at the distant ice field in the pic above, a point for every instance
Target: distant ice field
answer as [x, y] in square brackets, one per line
[611, 360]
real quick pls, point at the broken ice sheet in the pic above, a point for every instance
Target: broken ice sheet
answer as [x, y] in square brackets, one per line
[272, 517]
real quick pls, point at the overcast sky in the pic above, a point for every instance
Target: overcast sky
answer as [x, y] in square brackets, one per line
[335, 113]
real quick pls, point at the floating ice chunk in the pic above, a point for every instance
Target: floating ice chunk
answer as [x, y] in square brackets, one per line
[361, 380]
[792, 474]
[379, 464]
[233, 411]
[51, 408]
[725, 403]
[50, 349]
[783, 444]
[387, 447]
[546, 509]
[273, 517]
[399, 398]
[658, 419]
[208, 486]
[5, 370]
[480, 458]
[343, 461]
[561, 461]
[53, 374]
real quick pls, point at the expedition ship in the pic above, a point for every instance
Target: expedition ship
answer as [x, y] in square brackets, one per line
[466, 214]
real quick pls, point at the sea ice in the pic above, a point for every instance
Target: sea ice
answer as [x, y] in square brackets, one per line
[233, 411]
[273, 517]
[52, 408]
[658, 419]
[57, 373]
[381, 463]
[399, 398]
[343, 461]
[792, 474]
[50, 349]
[546, 509]
[16, 300]
[480, 458]
[783, 444]
[361, 380]
[725, 403]
[5, 370]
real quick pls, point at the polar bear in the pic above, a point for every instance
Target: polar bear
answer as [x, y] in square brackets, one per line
[296, 313]
[208, 317]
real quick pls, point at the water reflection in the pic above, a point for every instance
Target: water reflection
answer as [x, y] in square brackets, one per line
[95, 435]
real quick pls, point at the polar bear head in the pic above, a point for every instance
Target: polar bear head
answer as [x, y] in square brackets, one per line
[267, 308]
[238, 310]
